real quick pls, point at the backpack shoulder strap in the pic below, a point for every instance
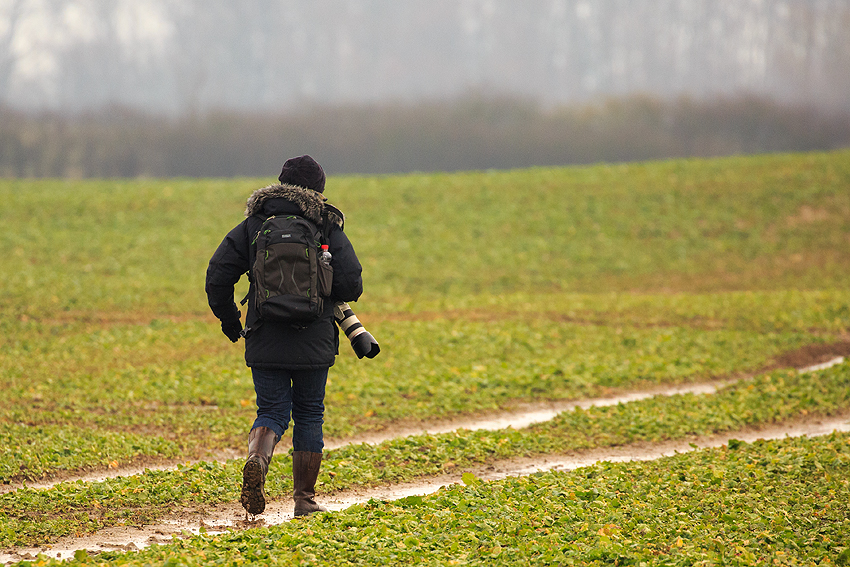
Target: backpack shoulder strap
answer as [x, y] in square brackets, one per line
[252, 230]
[330, 216]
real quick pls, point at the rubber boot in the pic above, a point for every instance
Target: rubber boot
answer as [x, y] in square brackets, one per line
[305, 470]
[261, 442]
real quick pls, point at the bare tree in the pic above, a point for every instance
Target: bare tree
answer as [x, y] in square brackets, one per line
[15, 11]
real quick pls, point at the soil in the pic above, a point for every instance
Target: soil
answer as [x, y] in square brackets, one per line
[811, 355]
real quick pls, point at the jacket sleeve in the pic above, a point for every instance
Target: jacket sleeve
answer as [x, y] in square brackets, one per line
[227, 265]
[347, 282]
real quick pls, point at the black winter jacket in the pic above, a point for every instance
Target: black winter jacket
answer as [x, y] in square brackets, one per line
[273, 344]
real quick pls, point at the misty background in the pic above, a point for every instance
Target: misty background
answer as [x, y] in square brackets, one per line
[218, 88]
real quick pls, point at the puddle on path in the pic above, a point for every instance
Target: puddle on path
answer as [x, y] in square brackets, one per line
[231, 516]
[828, 364]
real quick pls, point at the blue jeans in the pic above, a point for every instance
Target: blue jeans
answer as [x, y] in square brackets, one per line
[301, 392]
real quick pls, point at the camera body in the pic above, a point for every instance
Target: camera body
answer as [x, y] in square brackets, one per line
[362, 341]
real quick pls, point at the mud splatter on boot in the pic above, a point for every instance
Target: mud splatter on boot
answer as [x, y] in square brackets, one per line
[261, 443]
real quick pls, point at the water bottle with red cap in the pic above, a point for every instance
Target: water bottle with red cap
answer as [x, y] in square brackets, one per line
[325, 255]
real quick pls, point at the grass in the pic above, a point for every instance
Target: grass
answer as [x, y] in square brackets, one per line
[30, 517]
[141, 246]
[486, 290]
[769, 503]
[171, 389]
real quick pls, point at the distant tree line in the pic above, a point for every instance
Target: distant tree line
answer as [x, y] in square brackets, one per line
[474, 132]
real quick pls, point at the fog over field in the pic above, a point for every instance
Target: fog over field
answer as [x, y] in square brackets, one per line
[177, 56]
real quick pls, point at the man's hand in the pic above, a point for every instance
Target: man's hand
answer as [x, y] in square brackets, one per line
[231, 329]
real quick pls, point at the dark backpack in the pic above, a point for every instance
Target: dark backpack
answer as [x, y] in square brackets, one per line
[290, 281]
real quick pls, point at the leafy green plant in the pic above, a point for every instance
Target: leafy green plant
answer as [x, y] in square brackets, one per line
[756, 222]
[486, 290]
[179, 388]
[34, 516]
[770, 503]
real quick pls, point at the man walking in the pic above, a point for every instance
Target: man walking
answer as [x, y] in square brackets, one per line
[289, 360]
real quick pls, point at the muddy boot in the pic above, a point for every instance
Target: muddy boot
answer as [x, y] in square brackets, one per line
[305, 470]
[261, 442]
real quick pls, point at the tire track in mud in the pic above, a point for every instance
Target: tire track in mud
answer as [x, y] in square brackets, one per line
[231, 516]
[525, 415]
[528, 415]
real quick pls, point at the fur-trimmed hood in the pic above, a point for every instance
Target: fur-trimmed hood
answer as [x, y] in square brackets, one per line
[311, 203]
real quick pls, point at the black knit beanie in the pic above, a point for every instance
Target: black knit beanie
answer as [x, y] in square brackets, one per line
[303, 171]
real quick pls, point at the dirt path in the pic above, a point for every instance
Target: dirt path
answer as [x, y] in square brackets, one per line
[523, 417]
[526, 415]
[232, 516]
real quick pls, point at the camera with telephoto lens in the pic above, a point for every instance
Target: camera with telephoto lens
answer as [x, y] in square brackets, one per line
[362, 341]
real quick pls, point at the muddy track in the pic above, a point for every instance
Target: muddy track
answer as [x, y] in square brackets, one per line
[522, 417]
[806, 358]
[232, 516]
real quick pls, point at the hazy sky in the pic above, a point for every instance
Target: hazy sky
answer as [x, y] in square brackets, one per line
[179, 55]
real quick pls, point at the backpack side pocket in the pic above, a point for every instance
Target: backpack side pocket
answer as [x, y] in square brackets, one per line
[326, 279]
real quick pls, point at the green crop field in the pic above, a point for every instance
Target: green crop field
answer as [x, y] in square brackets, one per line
[487, 291]
[769, 503]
